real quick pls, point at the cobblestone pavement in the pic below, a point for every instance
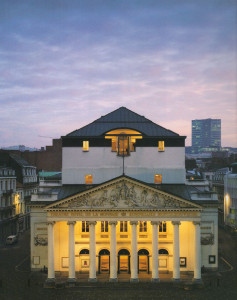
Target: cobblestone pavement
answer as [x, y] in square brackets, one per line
[17, 282]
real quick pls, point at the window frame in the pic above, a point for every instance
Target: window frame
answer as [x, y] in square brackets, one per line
[123, 226]
[161, 146]
[158, 178]
[85, 146]
[87, 180]
[85, 227]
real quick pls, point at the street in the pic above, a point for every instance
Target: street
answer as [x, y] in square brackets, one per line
[17, 282]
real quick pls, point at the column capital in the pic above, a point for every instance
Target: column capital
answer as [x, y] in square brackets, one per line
[133, 222]
[113, 223]
[92, 223]
[71, 222]
[176, 223]
[195, 223]
[50, 222]
[155, 222]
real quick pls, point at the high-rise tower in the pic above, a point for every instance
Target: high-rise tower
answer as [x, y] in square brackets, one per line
[206, 133]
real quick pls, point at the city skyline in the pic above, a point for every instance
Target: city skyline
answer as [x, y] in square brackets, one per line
[66, 63]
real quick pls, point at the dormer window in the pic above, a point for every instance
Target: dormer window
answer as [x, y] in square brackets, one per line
[88, 179]
[123, 140]
[85, 146]
[161, 146]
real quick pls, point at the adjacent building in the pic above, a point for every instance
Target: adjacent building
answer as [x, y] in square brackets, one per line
[8, 219]
[206, 135]
[18, 183]
[230, 197]
[123, 206]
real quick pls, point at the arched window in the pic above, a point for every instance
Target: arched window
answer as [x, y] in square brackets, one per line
[163, 251]
[104, 252]
[84, 251]
[123, 252]
[143, 252]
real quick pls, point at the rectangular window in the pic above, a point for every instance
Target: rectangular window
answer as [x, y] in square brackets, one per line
[158, 178]
[88, 179]
[85, 226]
[85, 145]
[123, 226]
[143, 226]
[162, 227]
[161, 146]
[104, 226]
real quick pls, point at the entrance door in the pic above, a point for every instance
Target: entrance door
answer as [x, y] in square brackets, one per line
[123, 261]
[104, 259]
[143, 260]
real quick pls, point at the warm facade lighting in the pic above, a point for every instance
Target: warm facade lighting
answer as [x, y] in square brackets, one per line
[158, 178]
[161, 146]
[85, 145]
[88, 179]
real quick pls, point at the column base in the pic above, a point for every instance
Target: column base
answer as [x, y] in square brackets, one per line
[176, 280]
[197, 281]
[155, 280]
[134, 280]
[71, 282]
[113, 280]
[92, 280]
[49, 283]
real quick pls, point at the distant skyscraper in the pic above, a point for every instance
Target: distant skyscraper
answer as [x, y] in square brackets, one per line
[206, 133]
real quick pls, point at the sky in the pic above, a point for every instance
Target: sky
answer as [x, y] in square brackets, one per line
[65, 63]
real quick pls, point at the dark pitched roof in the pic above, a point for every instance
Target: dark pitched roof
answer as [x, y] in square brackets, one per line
[20, 161]
[122, 118]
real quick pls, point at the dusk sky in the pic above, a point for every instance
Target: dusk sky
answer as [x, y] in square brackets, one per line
[65, 63]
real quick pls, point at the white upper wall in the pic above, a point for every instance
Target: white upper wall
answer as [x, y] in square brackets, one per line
[105, 165]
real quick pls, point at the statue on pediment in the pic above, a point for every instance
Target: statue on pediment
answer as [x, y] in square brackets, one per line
[144, 200]
[114, 197]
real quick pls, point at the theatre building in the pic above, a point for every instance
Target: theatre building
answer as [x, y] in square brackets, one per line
[124, 206]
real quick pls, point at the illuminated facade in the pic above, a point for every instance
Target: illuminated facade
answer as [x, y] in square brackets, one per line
[123, 206]
[230, 197]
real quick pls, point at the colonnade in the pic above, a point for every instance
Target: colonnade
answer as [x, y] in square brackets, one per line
[134, 255]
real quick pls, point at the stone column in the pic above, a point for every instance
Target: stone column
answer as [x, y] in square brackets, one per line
[51, 272]
[134, 274]
[155, 256]
[92, 272]
[176, 263]
[71, 275]
[197, 253]
[113, 252]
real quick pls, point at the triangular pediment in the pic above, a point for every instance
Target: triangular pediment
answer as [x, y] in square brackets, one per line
[123, 193]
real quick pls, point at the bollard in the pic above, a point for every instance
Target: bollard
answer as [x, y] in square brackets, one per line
[0, 283]
[28, 282]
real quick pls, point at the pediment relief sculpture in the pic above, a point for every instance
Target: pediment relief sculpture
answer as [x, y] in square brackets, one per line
[127, 195]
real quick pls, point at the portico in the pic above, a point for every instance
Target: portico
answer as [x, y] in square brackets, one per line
[130, 229]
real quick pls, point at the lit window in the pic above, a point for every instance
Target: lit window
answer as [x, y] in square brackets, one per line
[143, 226]
[161, 146]
[123, 146]
[162, 227]
[85, 145]
[114, 145]
[158, 178]
[104, 226]
[88, 179]
[85, 226]
[123, 226]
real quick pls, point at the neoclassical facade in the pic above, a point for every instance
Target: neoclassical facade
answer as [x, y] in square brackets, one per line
[123, 225]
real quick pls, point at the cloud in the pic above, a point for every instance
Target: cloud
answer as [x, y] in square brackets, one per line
[65, 63]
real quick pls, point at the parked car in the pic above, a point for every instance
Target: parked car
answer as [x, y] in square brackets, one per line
[11, 239]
